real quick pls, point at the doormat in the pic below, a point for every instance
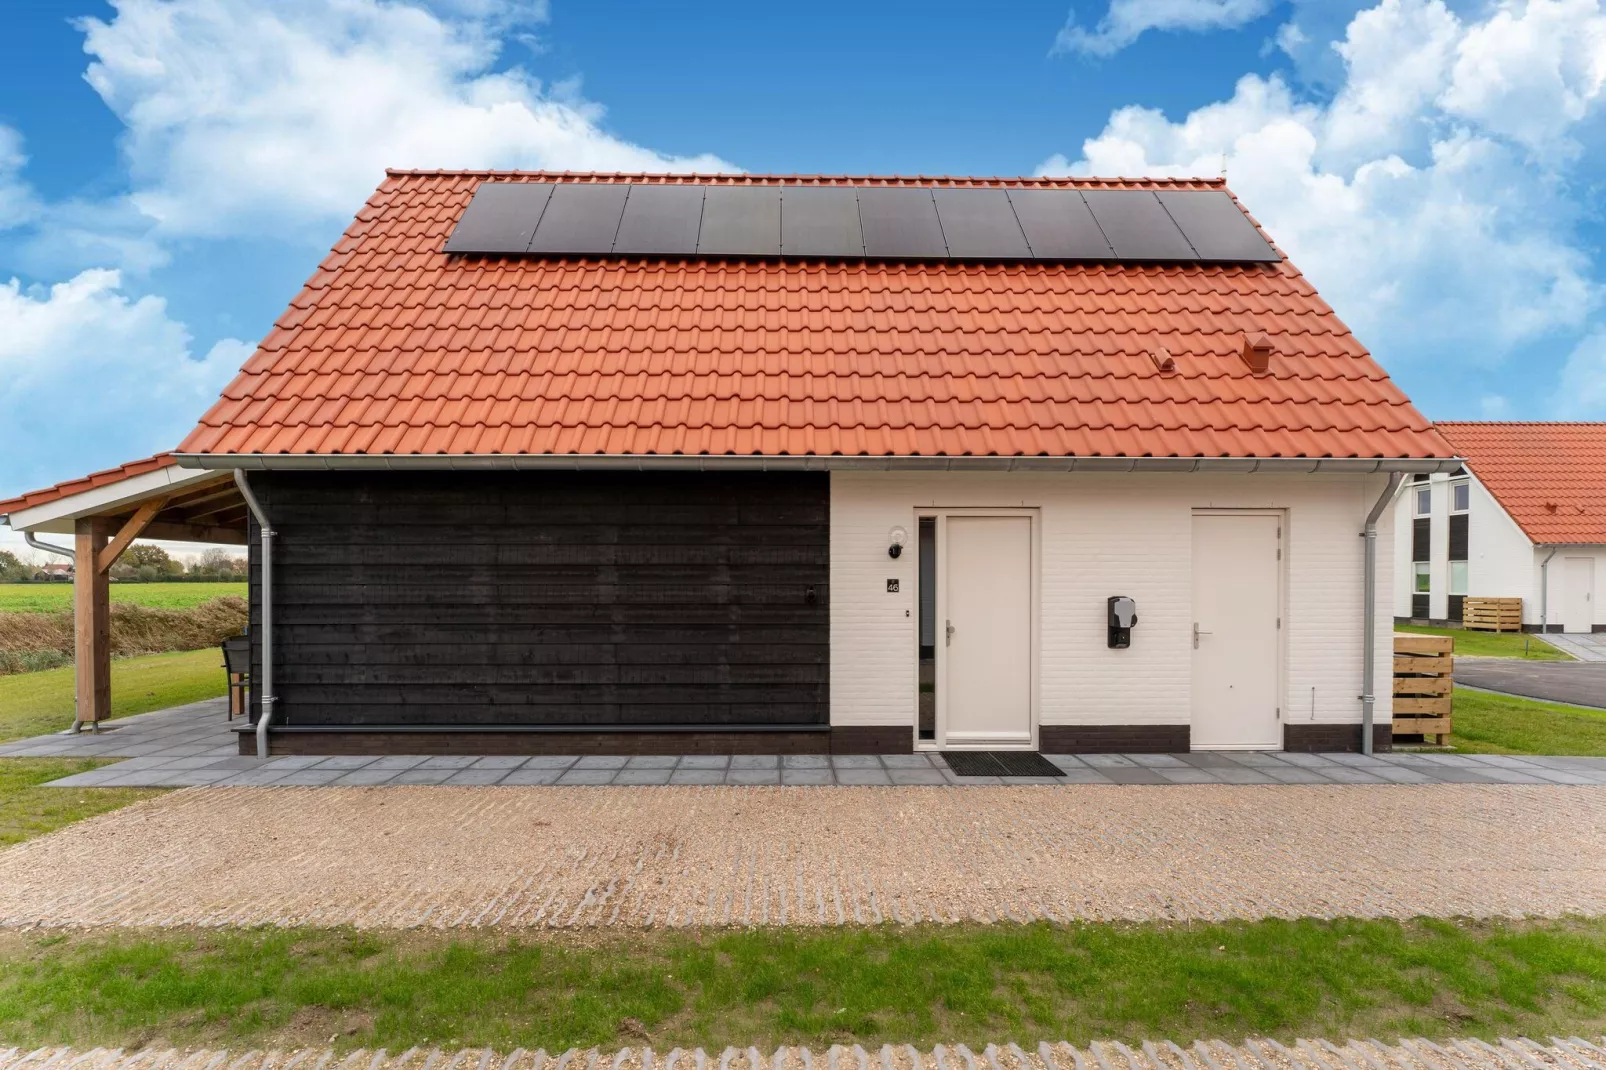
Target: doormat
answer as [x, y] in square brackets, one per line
[1000, 763]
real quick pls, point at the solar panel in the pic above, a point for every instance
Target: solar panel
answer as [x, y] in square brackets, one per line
[741, 221]
[979, 224]
[900, 223]
[1216, 227]
[820, 221]
[581, 217]
[500, 218]
[661, 220]
[1058, 225]
[1137, 226]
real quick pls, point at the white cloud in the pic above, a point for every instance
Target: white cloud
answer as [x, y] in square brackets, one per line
[1127, 20]
[1433, 230]
[18, 203]
[90, 377]
[243, 115]
[1582, 395]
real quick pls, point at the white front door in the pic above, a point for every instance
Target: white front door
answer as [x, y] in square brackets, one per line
[1237, 599]
[984, 634]
[1578, 595]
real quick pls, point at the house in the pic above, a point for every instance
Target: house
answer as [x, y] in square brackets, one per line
[636, 463]
[1525, 518]
[53, 570]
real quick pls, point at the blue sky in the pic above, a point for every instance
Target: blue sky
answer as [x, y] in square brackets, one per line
[171, 170]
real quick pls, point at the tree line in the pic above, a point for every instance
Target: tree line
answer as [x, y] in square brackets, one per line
[142, 563]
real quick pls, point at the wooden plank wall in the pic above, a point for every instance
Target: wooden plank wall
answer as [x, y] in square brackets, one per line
[528, 598]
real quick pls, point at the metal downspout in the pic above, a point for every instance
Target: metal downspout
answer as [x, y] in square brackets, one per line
[1369, 610]
[267, 532]
[1544, 591]
[28, 538]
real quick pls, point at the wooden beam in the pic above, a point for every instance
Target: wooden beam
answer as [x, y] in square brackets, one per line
[137, 523]
[161, 529]
[92, 623]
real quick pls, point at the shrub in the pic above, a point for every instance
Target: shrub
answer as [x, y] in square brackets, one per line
[135, 630]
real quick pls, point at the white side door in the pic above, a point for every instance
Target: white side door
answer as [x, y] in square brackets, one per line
[984, 632]
[1578, 595]
[1237, 599]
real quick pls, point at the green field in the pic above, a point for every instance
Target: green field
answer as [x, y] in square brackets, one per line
[1485, 723]
[274, 988]
[1492, 644]
[52, 597]
[34, 703]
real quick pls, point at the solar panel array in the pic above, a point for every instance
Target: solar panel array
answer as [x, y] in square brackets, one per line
[921, 223]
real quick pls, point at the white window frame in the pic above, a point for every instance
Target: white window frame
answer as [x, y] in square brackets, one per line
[1418, 570]
[1450, 580]
[1419, 490]
[1456, 487]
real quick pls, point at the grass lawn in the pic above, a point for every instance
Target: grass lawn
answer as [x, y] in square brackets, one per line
[277, 988]
[34, 703]
[1485, 723]
[28, 810]
[1492, 644]
[51, 597]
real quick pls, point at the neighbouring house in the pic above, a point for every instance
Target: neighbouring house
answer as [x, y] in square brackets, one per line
[1524, 518]
[632, 463]
[53, 570]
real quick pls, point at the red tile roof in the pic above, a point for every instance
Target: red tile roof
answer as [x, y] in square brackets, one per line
[1551, 477]
[89, 482]
[394, 348]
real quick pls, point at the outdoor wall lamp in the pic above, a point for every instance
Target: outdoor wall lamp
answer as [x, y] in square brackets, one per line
[896, 537]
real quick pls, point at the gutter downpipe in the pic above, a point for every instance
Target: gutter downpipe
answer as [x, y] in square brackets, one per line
[1369, 609]
[267, 532]
[1544, 592]
[28, 538]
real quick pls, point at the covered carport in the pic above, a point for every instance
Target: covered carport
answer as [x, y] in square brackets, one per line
[103, 513]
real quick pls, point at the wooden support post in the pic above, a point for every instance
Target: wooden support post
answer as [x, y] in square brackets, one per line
[92, 623]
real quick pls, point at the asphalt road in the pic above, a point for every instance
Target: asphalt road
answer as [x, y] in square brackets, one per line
[1574, 682]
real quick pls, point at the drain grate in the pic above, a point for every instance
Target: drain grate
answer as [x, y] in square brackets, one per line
[1000, 763]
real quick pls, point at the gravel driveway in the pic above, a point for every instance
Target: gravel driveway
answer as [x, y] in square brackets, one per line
[554, 856]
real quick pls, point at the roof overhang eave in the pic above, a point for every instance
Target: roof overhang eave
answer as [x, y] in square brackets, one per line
[806, 463]
[58, 515]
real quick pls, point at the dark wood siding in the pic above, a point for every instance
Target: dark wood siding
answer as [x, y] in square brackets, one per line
[547, 599]
[1456, 606]
[1421, 538]
[1419, 607]
[1458, 537]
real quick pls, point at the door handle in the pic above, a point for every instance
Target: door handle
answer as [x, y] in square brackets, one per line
[950, 625]
[1196, 634]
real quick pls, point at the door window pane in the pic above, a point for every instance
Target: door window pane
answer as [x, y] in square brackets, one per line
[1420, 584]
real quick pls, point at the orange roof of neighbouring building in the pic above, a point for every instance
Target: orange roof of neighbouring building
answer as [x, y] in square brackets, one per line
[1550, 477]
[394, 347]
[89, 482]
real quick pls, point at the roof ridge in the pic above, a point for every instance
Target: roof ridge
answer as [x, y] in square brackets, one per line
[781, 176]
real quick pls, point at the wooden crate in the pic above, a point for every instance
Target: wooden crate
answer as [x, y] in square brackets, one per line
[1492, 614]
[1423, 681]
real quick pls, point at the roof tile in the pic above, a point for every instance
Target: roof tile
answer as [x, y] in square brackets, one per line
[1551, 477]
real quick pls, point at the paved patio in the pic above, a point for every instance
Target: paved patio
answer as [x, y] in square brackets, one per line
[190, 746]
[561, 857]
[1585, 646]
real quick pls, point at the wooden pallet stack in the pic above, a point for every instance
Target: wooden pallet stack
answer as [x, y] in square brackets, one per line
[1423, 684]
[1492, 614]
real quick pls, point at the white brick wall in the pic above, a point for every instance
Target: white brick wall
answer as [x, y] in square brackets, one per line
[1105, 534]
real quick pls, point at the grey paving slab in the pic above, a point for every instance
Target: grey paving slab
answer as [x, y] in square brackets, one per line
[928, 775]
[531, 775]
[1208, 759]
[753, 776]
[652, 761]
[1293, 774]
[683, 775]
[862, 776]
[347, 761]
[500, 761]
[421, 775]
[855, 761]
[806, 761]
[1108, 761]
[1134, 774]
[755, 761]
[1084, 775]
[550, 761]
[818, 776]
[1399, 774]
[973, 781]
[309, 777]
[1023, 781]
[398, 762]
[649, 775]
[704, 761]
[370, 777]
[478, 775]
[447, 761]
[1158, 761]
[1243, 774]
[1184, 774]
[588, 776]
[907, 761]
[1067, 761]
[1309, 761]
[602, 761]
[1255, 758]
[1348, 774]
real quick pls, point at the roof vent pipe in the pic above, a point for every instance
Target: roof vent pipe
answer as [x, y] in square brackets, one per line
[1369, 609]
[267, 533]
[1257, 352]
